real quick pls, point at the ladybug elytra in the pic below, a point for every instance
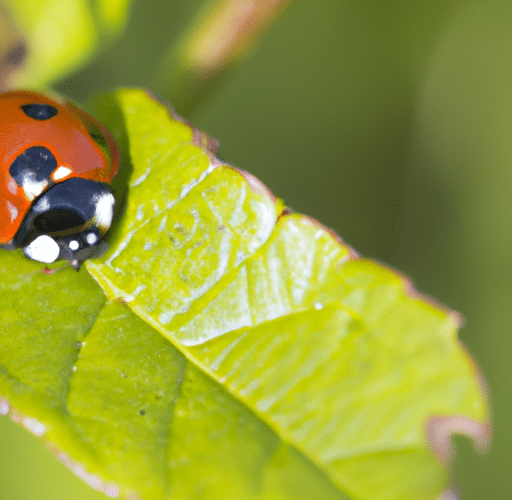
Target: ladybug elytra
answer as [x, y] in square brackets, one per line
[57, 163]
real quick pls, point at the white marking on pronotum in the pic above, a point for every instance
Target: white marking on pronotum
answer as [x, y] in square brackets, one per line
[43, 249]
[42, 205]
[34, 426]
[61, 173]
[13, 211]
[104, 211]
[319, 306]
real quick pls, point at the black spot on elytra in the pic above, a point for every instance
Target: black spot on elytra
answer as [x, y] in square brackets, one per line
[39, 112]
[33, 165]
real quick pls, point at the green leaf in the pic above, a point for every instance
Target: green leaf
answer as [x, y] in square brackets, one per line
[61, 35]
[241, 352]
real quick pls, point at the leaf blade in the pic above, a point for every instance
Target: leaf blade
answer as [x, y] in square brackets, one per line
[284, 363]
[300, 277]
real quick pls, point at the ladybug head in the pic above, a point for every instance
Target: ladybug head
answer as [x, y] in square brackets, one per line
[67, 222]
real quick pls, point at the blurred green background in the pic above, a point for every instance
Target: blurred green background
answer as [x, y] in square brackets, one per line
[390, 122]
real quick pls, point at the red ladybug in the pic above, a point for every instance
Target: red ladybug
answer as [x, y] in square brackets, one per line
[57, 163]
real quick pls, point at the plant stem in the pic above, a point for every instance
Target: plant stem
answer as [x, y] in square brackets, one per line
[223, 33]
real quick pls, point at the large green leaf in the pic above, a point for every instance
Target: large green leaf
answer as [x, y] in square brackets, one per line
[58, 36]
[241, 351]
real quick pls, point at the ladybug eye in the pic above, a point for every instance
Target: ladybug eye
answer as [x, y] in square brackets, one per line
[39, 112]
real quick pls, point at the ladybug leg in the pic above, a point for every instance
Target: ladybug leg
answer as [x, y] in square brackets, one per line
[10, 245]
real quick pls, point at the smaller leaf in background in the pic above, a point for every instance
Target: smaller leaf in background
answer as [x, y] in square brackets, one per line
[12, 46]
[61, 35]
[113, 14]
[224, 32]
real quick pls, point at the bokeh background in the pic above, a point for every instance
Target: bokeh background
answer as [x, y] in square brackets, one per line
[390, 122]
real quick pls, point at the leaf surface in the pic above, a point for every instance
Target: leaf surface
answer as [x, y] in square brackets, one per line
[241, 351]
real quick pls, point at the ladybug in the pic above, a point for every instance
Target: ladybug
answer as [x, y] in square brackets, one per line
[57, 163]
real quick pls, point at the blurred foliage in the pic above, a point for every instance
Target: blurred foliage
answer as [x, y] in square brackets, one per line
[222, 33]
[390, 123]
[55, 36]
